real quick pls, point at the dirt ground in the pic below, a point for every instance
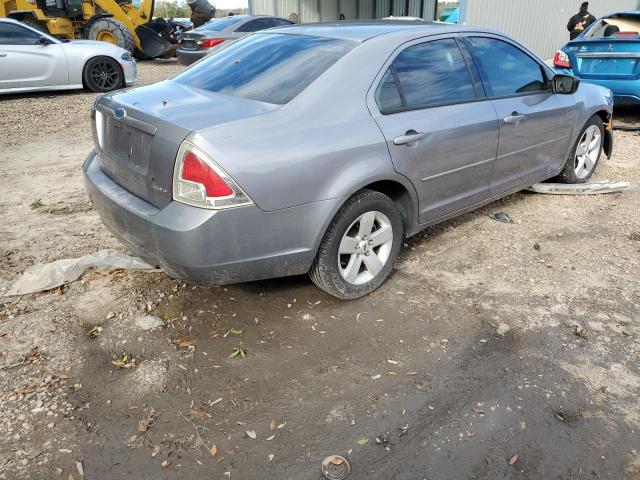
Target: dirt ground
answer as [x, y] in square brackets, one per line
[495, 351]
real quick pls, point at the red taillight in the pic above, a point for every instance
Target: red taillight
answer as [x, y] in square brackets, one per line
[211, 42]
[197, 171]
[199, 181]
[627, 35]
[561, 59]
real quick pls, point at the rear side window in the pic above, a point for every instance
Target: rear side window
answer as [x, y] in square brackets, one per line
[218, 25]
[505, 69]
[11, 34]
[431, 73]
[271, 68]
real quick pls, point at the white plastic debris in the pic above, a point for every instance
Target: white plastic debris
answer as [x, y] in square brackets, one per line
[41, 277]
[591, 188]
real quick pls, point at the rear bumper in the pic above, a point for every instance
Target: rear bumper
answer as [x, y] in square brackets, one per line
[624, 91]
[187, 57]
[208, 246]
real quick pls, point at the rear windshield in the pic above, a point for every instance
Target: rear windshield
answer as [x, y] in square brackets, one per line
[619, 26]
[271, 68]
[218, 25]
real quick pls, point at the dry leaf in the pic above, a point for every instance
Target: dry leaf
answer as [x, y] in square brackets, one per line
[271, 455]
[282, 425]
[213, 450]
[513, 459]
[272, 425]
[196, 411]
[166, 463]
[362, 441]
[376, 377]
[251, 434]
[183, 342]
[270, 438]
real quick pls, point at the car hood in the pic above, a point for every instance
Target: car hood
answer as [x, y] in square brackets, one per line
[94, 46]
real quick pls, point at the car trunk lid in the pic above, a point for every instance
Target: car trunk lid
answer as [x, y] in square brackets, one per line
[195, 40]
[137, 135]
[191, 41]
[617, 58]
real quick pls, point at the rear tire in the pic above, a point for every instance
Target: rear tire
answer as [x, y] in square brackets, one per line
[586, 153]
[102, 74]
[360, 246]
[109, 30]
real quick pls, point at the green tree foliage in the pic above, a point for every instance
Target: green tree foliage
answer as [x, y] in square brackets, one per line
[180, 9]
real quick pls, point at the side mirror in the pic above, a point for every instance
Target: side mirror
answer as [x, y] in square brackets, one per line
[565, 84]
[43, 41]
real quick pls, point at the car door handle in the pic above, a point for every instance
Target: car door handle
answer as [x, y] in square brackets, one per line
[410, 137]
[514, 119]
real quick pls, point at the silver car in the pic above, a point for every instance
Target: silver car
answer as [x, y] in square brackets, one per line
[32, 61]
[219, 33]
[316, 148]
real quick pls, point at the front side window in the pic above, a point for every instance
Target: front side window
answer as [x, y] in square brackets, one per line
[431, 73]
[11, 34]
[271, 68]
[505, 69]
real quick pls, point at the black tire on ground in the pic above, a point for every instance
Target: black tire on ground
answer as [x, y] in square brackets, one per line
[33, 23]
[568, 174]
[102, 74]
[98, 27]
[325, 271]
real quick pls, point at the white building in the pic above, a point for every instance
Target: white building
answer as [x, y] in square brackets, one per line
[539, 24]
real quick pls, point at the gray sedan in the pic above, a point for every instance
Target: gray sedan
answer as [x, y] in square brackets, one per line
[314, 149]
[219, 33]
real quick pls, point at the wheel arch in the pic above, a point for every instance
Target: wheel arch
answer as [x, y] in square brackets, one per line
[401, 196]
[608, 131]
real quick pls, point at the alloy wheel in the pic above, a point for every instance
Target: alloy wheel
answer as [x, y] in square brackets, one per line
[105, 75]
[365, 248]
[588, 151]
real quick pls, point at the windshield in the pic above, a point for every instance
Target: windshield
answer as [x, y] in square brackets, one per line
[271, 68]
[218, 25]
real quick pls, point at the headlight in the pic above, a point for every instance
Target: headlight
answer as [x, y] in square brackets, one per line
[126, 57]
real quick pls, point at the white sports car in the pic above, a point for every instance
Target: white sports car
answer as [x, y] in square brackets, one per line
[32, 61]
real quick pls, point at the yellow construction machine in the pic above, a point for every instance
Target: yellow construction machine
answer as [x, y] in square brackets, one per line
[122, 22]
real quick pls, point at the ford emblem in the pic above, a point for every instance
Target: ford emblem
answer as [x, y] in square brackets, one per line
[120, 112]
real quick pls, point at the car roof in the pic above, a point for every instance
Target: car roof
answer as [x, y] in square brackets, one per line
[627, 12]
[364, 30]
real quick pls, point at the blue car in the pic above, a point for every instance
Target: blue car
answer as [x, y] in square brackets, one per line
[608, 54]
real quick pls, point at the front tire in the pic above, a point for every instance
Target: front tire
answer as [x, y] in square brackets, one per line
[102, 74]
[107, 29]
[360, 247]
[584, 157]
